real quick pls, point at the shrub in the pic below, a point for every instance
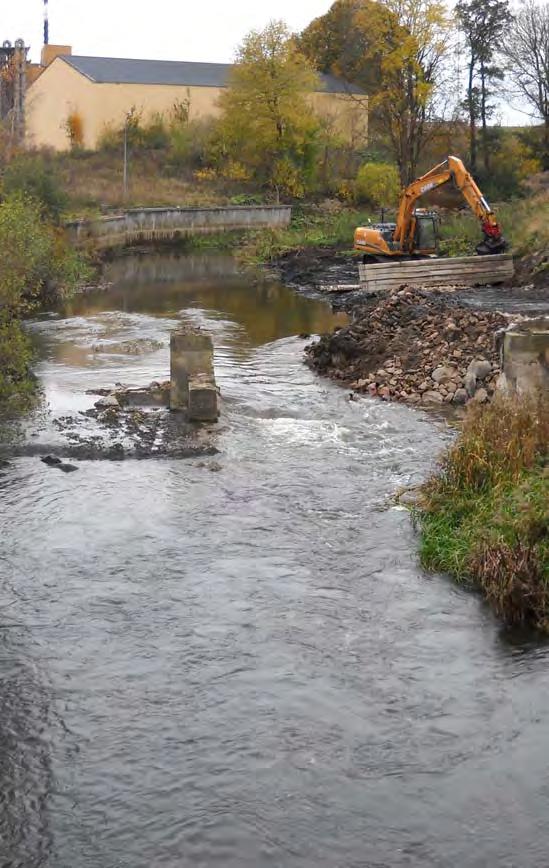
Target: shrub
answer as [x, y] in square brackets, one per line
[377, 184]
[27, 253]
[153, 135]
[35, 256]
[35, 264]
[459, 233]
[74, 127]
[16, 384]
[35, 177]
[109, 139]
[191, 143]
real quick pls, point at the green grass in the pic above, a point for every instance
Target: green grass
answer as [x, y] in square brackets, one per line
[310, 227]
[525, 224]
[484, 518]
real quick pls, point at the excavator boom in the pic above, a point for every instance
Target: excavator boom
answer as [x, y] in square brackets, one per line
[405, 238]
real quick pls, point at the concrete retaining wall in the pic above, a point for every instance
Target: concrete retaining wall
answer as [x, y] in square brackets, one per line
[140, 225]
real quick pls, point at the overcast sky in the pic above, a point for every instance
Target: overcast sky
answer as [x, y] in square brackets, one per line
[162, 29]
[207, 30]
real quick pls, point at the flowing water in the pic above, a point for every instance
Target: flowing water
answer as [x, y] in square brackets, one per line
[247, 668]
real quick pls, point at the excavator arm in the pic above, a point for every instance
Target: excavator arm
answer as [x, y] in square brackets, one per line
[453, 170]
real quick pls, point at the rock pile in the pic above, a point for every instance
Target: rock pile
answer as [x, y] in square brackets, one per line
[415, 346]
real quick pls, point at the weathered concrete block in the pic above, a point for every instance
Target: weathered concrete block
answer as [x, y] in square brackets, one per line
[202, 405]
[525, 356]
[191, 355]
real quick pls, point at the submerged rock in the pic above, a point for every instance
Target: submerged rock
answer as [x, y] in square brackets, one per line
[54, 461]
[107, 403]
[128, 348]
[51, 461]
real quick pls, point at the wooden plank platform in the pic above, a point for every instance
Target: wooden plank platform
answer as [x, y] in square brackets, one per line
[458, 271]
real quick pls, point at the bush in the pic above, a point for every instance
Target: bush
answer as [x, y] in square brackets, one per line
[110, 139]
[35, 257]
[35, 177]
[27, 246]
[485, 514]
[74, 127]
[191, 143]
[16, 383]
[377, 184]
[154, 135]
[512, 162]
[35, 265]
[151, 135]
[459, 234]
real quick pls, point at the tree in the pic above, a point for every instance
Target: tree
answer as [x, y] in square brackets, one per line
[394, 51]
[350, 40]
[483, 22]
[526, 50]
[411, 74]
[268, 125]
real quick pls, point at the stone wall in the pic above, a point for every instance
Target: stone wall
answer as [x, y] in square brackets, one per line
[139, 225]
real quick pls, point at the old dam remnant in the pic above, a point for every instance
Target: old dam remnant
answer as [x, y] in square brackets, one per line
[524, 351]
[193, 387]
[143, 225]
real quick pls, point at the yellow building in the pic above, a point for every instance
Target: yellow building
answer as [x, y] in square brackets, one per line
[102, 90]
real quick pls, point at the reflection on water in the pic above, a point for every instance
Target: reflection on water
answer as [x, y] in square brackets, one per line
[163, 285]
[247, 668]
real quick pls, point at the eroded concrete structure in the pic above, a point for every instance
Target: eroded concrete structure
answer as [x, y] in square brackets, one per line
[525, 356]
[193, 387]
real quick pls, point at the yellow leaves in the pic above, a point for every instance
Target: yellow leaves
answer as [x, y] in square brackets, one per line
[74, 128]
[267, 124]
[377, 184]
[514, 153]
[287, 177]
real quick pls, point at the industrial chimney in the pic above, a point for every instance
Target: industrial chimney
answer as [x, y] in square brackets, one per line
[46, 24]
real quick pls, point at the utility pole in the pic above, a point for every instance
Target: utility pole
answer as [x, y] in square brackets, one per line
[125, 193]
[20, 90]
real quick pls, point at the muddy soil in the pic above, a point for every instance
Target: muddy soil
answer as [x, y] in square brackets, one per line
[308, 271]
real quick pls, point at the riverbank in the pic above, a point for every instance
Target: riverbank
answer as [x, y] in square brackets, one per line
[37, 266]
[484, 515]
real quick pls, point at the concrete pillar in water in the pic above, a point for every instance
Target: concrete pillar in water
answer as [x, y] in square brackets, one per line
[193, 387]
[202, 398]
[525, 356]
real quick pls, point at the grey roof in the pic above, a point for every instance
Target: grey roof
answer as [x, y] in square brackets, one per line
[118, 70]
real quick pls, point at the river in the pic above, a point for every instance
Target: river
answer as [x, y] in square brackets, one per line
[240, 663]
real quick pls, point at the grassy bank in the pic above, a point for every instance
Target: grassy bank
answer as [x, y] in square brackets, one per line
[525, 225]
[310, 227]
[484, 517]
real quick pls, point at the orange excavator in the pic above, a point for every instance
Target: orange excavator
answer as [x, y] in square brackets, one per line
[415, 233]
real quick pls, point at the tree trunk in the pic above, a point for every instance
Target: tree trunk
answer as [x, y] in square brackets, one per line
[485, 149]
[545, 145]
[472, 119]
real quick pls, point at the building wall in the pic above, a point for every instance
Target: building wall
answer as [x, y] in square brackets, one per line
[50, 100]
[61, 90]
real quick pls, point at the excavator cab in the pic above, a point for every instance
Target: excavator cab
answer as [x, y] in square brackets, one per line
[426, 234]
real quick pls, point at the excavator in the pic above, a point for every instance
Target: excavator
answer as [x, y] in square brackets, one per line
[415, 233]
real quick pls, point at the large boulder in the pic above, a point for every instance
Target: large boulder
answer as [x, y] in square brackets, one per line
[444, 374]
